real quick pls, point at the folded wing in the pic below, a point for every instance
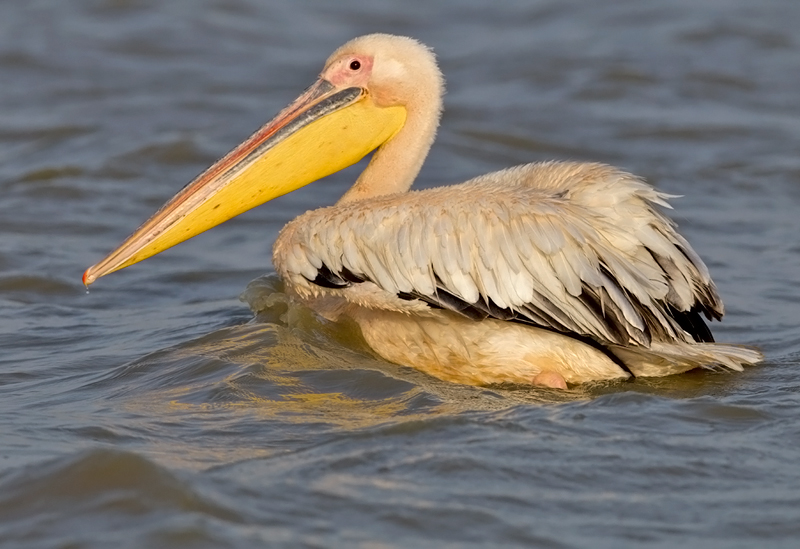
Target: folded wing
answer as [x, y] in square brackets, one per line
[575, 248]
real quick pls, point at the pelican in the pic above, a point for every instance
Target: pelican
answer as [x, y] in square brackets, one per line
[545, 274]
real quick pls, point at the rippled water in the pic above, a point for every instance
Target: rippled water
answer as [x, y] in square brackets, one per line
[156, 411]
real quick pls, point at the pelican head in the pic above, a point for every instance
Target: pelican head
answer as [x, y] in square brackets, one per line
[375, 92]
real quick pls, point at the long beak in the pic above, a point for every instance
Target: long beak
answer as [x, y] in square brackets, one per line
[323, 131]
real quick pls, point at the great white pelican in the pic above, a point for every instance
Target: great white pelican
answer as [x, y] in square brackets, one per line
[544, 274]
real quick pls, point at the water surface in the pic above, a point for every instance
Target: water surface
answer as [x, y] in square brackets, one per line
[159, 411]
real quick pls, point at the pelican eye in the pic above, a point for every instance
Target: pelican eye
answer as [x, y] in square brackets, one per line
[355, 65]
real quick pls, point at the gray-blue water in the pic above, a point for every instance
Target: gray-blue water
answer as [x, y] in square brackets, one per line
[156, 411]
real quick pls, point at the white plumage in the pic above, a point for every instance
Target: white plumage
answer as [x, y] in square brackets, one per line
[575, 248]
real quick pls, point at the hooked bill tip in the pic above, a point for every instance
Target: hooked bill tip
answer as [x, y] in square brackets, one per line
[87, 278]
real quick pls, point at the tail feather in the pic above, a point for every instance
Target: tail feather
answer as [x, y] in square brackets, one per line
[663, 359]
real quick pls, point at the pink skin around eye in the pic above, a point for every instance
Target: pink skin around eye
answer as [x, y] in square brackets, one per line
[340, 74]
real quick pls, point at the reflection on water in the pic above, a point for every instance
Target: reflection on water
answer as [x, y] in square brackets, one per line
[290, 365]
[158, 411]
